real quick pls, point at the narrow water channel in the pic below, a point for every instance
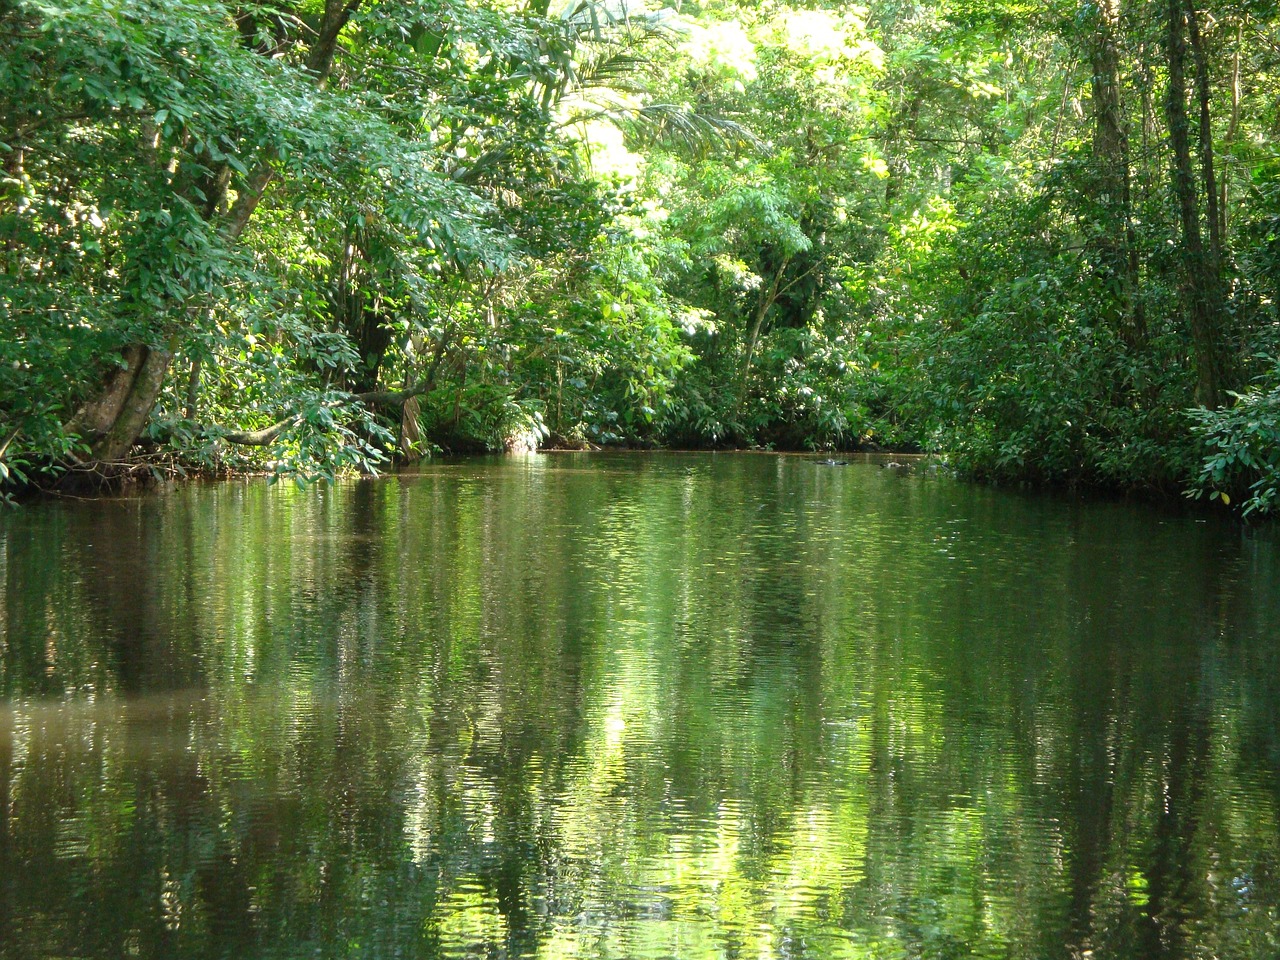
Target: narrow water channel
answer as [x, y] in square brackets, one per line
[636, 706]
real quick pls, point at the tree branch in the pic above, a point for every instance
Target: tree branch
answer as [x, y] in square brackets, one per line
[319, 63]
[13, 435]
[256, 438]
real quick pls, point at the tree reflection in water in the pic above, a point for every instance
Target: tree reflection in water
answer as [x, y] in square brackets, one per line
[645, 707]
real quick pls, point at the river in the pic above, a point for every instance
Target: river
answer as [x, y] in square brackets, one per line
[636, 706]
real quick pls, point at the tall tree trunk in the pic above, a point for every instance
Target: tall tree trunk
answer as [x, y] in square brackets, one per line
[1068, 88]
[1116, 250]
[1233, 129]
[190, 408]
[1207, 172]
[1202, 289]
[115, 419]
[905, 122]
[767, 299]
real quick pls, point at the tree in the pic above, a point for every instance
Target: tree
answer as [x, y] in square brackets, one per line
[1201, 266]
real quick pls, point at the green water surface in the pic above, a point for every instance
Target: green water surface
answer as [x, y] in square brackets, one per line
[636, 706]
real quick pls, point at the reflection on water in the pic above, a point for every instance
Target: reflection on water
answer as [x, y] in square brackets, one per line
[636, 707]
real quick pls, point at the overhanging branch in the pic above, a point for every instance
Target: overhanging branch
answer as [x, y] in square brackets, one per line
[255, 438]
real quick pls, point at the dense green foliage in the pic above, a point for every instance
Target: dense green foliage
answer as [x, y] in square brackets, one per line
[316, 235]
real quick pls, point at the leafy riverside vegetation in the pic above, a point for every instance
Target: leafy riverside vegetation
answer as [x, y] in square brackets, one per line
[319, 236]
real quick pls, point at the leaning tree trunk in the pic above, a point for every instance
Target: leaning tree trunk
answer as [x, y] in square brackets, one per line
[114, 420]
[95, 419]
[1202, 283]
[136, 409]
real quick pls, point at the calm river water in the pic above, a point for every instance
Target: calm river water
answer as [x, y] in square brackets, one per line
[636, 706]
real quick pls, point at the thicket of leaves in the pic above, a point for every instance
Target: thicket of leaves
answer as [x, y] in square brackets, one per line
[488, 225]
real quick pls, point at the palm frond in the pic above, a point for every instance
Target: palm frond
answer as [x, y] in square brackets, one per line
[601, 20]
[698, 133]
[613, 70]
